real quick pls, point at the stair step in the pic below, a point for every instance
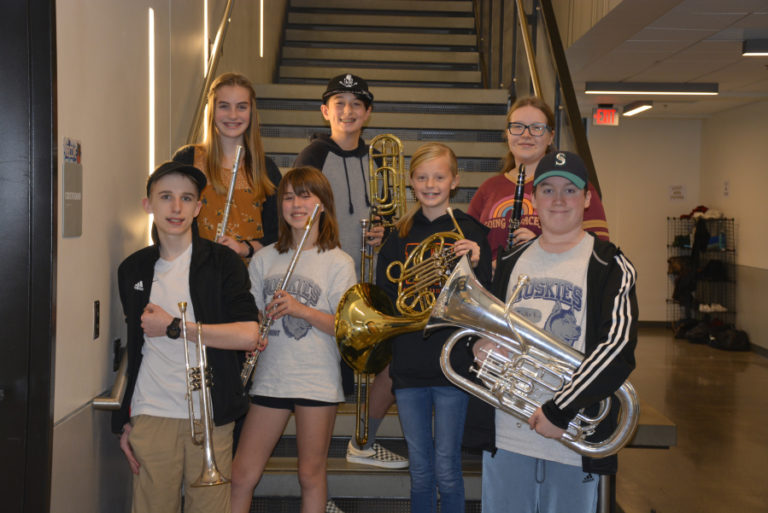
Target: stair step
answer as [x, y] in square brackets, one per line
[446, 135]
[383, 95]
[378, 75]
[355, 39]
[345, 424]
[346, 504]
[464, 7]
[437, 23]
[470, 167]
[368, 481]
[384, 120]
[395, 56]
[465, 149]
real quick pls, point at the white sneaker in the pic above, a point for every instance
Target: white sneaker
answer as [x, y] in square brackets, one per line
[376, 456]
[331, 507]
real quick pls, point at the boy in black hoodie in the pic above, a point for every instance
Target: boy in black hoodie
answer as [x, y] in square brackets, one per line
[342, 156]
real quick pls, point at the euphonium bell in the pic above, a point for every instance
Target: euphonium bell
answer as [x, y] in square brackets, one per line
[532, 368]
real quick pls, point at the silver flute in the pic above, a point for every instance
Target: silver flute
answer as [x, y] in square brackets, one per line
[250, 361]
[222, 228]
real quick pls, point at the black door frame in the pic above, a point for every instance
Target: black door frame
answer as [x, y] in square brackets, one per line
[28, 206]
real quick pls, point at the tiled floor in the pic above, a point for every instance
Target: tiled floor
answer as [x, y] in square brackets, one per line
[719, 401]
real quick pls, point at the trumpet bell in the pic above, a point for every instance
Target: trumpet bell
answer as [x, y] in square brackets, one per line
[365, 322]
[210, 476]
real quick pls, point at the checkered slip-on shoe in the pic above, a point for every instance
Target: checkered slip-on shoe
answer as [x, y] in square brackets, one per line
[376, 456]
[331, 507]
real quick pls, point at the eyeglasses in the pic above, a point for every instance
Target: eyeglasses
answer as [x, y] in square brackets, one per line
[535, 129]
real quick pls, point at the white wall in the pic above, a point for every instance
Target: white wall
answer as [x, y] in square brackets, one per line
[734, 150]
[636, 164]
[102, 88]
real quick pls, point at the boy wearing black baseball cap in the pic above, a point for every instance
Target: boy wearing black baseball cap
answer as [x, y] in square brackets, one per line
[153, 419]
[342, 156]
[581, 290]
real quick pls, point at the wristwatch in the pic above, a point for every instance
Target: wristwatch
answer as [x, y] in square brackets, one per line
[174, 328]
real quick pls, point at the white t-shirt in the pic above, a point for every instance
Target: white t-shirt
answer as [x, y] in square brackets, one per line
[300, 361]
[161, 389]
[555, 301]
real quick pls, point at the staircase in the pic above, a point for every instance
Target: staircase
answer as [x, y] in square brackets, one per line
[421, 62]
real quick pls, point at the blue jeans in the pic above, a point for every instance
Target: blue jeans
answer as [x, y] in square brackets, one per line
[435, 461]
[513, 483]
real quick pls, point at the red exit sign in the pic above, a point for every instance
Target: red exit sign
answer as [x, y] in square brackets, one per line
[605, 116]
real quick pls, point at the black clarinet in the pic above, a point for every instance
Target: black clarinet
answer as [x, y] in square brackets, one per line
[517, 207]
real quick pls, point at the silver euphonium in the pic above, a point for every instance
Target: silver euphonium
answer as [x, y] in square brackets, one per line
[530, 369]
[198, 379]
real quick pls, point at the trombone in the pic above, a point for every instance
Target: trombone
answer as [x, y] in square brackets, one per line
[387, 200]
[199, 380]
[386, 192]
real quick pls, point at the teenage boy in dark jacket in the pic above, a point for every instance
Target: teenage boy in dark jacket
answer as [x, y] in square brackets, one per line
[581, 290]
[154, 415]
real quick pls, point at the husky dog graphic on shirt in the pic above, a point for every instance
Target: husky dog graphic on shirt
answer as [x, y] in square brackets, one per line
[305, 291]
[566, 300]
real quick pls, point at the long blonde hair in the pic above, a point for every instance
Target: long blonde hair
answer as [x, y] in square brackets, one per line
[425, 153]
[530, 101]
[254, 160]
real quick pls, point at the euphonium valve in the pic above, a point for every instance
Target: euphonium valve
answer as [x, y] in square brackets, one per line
[530, 367]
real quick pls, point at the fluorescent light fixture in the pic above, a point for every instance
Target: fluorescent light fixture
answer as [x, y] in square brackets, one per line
[205, 38]
[645, 88]
[755, 48]
[633, 108]
[261, 28]
[151, 94]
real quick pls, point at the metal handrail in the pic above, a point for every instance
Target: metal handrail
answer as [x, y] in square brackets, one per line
[213, 62]
[569, 96]
[115, 398]
[529, 54]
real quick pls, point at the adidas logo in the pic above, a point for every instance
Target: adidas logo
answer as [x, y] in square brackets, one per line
[588, 479]
[139, 285]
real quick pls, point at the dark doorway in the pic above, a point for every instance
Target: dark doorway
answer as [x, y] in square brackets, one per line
[27, 252]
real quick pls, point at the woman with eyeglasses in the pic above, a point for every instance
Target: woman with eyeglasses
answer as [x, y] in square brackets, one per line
[530, 132]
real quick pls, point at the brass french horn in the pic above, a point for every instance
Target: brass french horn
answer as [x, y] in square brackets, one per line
[366, 319]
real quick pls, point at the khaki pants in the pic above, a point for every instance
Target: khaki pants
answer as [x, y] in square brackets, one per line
[169, 459]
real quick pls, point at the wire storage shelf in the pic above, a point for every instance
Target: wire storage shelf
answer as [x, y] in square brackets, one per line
[701, 270]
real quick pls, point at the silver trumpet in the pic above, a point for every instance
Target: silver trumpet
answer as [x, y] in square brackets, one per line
[530, 369]
[222, 227]
[199, 380]
[252, 359]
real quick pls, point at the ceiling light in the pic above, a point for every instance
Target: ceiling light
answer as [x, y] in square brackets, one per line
[633, 108]
[645, 88]
[755, 48]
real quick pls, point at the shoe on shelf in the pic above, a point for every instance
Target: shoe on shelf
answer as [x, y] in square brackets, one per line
[376, 456]
[331, 507]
